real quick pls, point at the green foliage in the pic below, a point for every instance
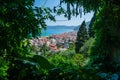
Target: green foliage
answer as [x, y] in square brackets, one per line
[62, 61]
[81, 74]
[18, 20]
[68, 61]
[43, 62]
[106, 49]
[30, 68]
[91, 29]
[71, 67]
[107, 39]
[82, 36]
[3, 69]
[85, 49]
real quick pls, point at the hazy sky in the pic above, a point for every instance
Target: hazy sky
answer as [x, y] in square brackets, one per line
[74, 20]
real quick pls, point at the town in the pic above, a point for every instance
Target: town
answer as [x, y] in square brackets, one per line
[54, 43]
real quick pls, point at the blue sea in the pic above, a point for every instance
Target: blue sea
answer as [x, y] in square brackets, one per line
[51, 31]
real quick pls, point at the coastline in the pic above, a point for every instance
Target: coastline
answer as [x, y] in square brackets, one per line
[51, 30]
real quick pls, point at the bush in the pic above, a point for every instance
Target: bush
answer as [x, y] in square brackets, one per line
[3, 69]
[63, 61]
[68, 61]
[85, 49]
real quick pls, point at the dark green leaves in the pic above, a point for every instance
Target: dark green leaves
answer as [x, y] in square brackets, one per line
[18, 20]
[43, 62]
[82, 36]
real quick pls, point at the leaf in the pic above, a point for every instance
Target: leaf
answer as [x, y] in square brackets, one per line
[26, 63]
[42, 61]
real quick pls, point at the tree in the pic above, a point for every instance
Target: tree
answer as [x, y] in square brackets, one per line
[91, 28]
[106, 27]
[107, 37]
[19, 19]
[81, 37]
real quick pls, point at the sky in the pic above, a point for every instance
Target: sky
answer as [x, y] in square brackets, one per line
[60, 20]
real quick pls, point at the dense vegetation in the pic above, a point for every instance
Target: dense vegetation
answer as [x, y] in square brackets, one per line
[19, 19]
[105, 50]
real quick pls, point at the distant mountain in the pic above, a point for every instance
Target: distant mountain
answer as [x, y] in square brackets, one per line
[87, 26]
[61, 27]
[67, 27]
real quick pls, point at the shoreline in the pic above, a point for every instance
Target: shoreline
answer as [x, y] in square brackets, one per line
[74, 31]
[52, 31]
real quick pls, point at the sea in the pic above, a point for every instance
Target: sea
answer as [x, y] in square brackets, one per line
[52, 31]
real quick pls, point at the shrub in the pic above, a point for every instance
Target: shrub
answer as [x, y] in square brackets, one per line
[85, 49]
[3, 69]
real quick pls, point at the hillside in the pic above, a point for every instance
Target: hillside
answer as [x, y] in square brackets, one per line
[67, 27]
